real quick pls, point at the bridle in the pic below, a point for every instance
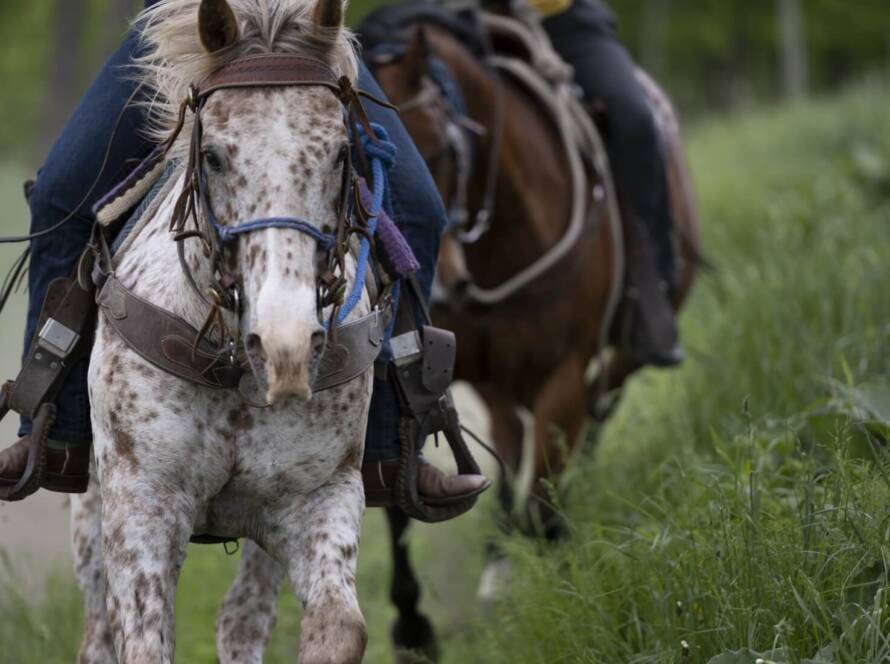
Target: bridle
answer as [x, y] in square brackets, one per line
[193, 214]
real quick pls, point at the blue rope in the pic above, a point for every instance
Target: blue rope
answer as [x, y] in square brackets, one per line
[382, 155]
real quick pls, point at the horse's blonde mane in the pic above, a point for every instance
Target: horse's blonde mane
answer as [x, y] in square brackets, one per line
[173, 57]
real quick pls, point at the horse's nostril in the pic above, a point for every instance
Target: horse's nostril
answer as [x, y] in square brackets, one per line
[318, 340]
[255, 346]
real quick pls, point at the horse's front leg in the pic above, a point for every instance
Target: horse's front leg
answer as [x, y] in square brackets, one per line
[86, 539]
[147, 520]
[247, 616]
[317, 537]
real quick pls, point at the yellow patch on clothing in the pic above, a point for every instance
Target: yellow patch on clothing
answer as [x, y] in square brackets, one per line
[550, 7]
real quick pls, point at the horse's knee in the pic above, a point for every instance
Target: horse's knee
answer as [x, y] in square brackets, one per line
[98, 643]
[332, 634]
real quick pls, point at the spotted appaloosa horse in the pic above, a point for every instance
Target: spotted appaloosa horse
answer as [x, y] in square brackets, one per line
[173, 458]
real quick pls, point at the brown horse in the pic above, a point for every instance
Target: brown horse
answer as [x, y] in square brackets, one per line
[529, 353]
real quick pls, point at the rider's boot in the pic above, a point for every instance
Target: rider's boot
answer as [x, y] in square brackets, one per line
[67, 467]
[433, 485]
[647, 320]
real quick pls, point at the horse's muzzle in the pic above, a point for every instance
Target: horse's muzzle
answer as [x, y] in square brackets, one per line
[285, 364]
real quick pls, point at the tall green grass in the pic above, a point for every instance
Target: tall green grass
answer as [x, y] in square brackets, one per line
[740, 507]
[737, 508]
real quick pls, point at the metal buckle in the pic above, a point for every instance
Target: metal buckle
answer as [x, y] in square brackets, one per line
[57, 338]
[406, 348]
[375, 334]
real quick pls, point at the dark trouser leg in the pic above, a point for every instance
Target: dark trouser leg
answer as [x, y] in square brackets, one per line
[68, 183]
[585, 37]
[605, 73]
[420, 214]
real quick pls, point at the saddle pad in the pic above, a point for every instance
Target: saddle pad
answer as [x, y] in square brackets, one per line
[143, 205]
[126, 194]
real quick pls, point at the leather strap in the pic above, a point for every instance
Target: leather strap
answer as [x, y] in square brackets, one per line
[357, 345]
[270, 70]
[65, 323]
[167, 341]
[35, 465]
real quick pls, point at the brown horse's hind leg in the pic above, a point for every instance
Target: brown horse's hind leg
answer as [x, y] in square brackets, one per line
[559, 412]
[604, 392]
[247, 616]
[412, 633]
[507, 434]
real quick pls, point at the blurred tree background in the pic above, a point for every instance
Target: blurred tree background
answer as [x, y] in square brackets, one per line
[712, 55]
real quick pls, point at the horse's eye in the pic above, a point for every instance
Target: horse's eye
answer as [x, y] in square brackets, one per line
[212, 160]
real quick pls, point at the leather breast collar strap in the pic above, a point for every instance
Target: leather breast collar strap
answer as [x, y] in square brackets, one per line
[173, 345]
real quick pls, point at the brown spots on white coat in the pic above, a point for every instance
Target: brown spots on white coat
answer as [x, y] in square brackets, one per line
[174, 458]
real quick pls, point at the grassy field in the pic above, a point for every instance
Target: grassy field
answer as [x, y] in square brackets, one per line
[735, 509]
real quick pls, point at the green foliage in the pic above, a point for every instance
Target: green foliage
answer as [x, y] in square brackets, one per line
[715, 54]
[743, 502]
[23, 34]
[721, 54]
[45, 629]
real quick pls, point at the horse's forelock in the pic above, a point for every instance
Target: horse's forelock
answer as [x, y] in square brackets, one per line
[173, 57]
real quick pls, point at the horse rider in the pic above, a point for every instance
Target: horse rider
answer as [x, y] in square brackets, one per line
[64, 185]
[584, 33]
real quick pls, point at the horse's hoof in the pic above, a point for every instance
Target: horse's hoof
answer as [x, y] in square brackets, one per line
[495, 577]
[405, 656]
[415, 641]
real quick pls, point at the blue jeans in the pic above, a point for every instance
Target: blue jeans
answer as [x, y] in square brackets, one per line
[64, 183]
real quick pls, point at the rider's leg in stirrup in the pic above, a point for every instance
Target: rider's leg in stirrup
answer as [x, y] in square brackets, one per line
[72, 180]
[420, 214]
[585, 36]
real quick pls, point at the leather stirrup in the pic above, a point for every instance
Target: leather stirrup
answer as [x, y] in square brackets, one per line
[65, 327]
[424, 367]
[30, 480]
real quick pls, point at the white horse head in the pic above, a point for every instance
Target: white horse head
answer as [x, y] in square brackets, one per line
[267, 153]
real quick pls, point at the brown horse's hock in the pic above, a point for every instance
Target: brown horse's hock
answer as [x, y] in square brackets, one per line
[424, 359]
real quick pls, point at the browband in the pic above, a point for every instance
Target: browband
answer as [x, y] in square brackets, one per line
[278, 69]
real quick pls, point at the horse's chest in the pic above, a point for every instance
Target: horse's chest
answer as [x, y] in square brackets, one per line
[298, 445]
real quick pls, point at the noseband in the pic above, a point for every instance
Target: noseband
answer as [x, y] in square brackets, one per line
[265, 71]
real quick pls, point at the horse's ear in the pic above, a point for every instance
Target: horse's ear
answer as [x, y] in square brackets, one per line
[217, 25]
[416, 58]
[328, 14]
